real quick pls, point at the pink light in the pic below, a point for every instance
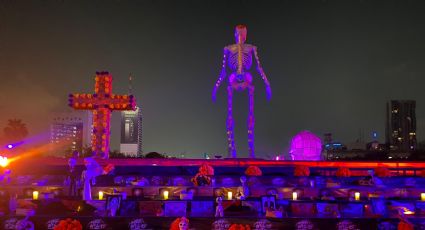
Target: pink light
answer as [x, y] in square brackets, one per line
[9, 146]
[306, 146]
[277, 158]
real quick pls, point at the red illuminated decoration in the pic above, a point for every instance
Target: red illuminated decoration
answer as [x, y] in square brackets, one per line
[343, 172]
[302, 170]
[253, 171]
[102, 103]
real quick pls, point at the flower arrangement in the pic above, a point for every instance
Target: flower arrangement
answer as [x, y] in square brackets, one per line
[180, 224]
[239, 227]
[206, 169]
[69, 224]
[403, 225]
[422, 173]
[343, 172]
[203, 177]
[253, 171]
[382, 172]
[301, 170]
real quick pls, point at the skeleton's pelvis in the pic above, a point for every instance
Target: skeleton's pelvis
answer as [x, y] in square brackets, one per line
[241, 81]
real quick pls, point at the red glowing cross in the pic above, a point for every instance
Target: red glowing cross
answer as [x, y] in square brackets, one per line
[102, 103]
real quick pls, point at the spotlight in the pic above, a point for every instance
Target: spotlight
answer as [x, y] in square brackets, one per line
[13, 145]
[3, 161]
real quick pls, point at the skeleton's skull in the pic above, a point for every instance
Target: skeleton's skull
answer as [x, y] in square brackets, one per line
[184, 224]
[243, 179]
[219, 200]
[240, 34]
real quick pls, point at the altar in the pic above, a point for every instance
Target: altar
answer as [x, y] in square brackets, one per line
[281, 195]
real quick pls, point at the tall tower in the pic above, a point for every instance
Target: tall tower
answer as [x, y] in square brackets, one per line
[401, 125]
[131, 129]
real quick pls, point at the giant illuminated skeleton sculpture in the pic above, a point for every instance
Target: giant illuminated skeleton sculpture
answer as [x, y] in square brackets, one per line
[238, 57]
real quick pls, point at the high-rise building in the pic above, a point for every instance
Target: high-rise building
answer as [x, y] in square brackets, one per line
[131, 132]
[70, 132]
[401, 125]
[131, 128]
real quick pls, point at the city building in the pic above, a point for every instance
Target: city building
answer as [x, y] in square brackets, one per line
[401, 125]
[131, 128]
[330, 144]
[131, 133]
[70, 131]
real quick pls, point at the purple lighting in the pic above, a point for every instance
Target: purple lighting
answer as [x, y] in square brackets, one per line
[238, 58]
[306, 146]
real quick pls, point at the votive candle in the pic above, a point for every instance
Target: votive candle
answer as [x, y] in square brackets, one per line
[423, 196]
[229, 195]
[357, 196]
[100, 195]
[165, 194]
[35, 195]
[294, 196]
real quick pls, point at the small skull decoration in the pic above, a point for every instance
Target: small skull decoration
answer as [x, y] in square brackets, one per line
[184, 224]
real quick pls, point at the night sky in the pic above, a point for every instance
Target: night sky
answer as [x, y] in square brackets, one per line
[332, 66]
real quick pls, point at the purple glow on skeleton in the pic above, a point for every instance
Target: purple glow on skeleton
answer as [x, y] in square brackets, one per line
[306, 146]
[238, 58]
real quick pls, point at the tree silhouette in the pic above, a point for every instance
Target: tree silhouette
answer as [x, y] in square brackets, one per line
[15, 130]
[154, 155]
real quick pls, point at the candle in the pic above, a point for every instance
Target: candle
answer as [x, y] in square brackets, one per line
[35, 195]
[100, 195]
[294, 196]
[229, 195]
[357, 196]
[423, 196]
[165, 195]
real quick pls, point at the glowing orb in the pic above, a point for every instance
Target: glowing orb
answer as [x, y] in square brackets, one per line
[306, 146]
[9, 146]
[3, 161]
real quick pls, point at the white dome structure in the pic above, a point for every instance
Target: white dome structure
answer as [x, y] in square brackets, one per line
[306, 146]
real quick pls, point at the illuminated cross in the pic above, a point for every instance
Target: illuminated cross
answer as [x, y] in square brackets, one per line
[102, 103]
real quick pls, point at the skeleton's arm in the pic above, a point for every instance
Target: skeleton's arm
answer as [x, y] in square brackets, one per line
[222, 75]
[263, 75]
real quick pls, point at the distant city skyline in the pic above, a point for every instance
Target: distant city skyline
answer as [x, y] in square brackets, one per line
[333, 66]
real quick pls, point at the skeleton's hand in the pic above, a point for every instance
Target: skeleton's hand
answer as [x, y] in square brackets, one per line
[268, 93]
[214, 94]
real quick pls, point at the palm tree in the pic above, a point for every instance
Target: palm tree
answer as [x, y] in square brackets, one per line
[15, 130]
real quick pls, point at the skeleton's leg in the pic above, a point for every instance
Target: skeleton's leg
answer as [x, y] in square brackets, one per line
[251, 122]
[230, 124]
